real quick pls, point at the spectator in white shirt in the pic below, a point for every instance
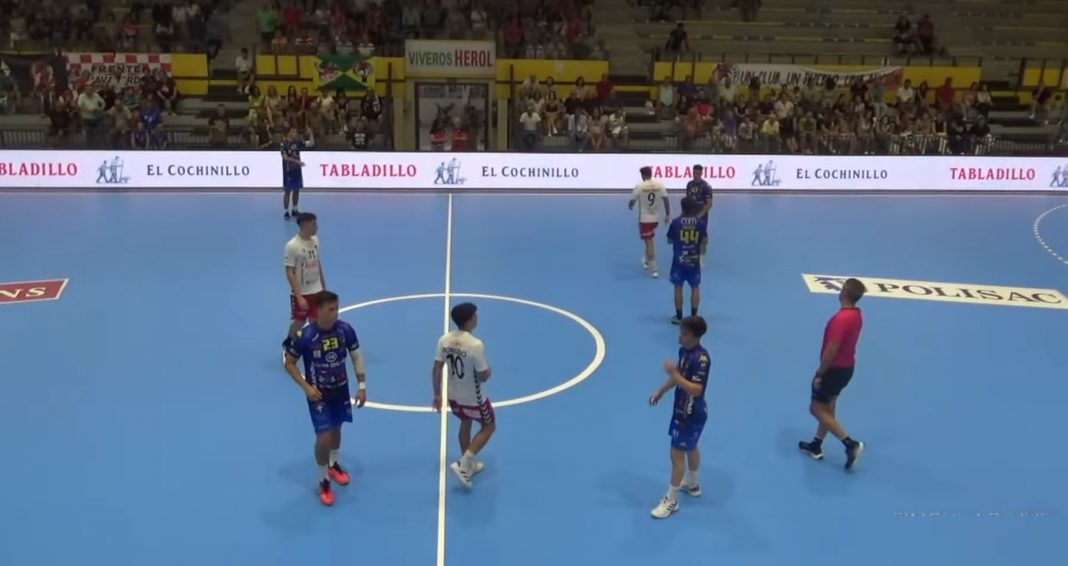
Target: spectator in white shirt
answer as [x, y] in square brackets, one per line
[530, 121]
[90, 106]
[905, 93]
[244, 71]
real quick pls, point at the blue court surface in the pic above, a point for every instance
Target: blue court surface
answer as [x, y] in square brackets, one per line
[145, 417]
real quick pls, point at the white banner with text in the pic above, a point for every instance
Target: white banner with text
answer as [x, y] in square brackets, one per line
[457, 172]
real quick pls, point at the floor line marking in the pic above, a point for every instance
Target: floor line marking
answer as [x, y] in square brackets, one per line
[1038, 233]
[591, 368]
[443, 450]
[732, 193]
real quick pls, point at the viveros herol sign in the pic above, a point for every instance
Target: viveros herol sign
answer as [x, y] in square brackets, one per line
[450, 59]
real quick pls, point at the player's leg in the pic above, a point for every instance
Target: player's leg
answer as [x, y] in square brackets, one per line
[323, 442]
[679, 447]
[690, 484]
[650, 255]
[465, 443]
[704, 244]
[695, 296]
[296, 199]
[285, 201]
[823, 407]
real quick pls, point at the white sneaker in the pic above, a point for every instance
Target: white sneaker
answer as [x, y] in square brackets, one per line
[477, 468]
[691, 490]
[656, 274]
[461, 474]
[665, 509]
[645, 263]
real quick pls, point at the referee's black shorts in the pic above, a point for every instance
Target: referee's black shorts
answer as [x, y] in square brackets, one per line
[832, 384]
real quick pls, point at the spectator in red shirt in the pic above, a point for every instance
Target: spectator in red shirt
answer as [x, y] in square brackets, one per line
[837, 358]
[925, 33]
[946, 95]
[604, 88]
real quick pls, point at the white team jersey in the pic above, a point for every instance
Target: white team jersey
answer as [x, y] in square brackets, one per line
[303, 255]
[463, 355]
[650, 195]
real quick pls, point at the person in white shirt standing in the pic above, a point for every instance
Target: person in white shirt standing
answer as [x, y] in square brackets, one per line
[304, 272]
[464, 357]
[650, 193]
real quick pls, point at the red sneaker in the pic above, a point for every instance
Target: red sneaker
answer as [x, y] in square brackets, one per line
[326, 495]
[339, 475]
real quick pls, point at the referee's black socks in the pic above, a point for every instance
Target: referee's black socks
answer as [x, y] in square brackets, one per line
[849, 442]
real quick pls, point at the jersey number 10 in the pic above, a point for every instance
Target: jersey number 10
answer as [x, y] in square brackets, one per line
[456, 365]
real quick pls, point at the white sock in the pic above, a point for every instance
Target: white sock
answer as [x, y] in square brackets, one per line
[333, 457]
[690, 479]
[468, 460]
[673, 493]
[324, 472]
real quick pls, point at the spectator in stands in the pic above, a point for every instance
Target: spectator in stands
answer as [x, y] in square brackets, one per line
[530, 124]
[946, 96]
[551, 113]
[983, 101]
[91, 111]
[906, 95]
[243, 66]
[904, 39]
[579, 126]
[371, 110]
[665, 98]
[120, 118]
[678, 42]
[219, 128]
[139, 137]
[166, 91]
[1040, 98]
[749, 9]
[267, 20]
[925, 34]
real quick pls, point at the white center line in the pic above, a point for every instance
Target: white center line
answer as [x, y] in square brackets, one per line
[443, 455]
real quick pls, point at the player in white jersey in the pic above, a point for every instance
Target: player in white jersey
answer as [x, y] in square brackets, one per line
[464, 357]
[649, 194]
[304, 272]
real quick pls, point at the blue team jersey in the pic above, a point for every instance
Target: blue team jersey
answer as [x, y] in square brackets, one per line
[292, 149]
[694, 366]
[324, 353]
[686, 234]
[699, 191]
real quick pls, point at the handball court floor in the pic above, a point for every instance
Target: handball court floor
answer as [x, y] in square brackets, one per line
[145, 417]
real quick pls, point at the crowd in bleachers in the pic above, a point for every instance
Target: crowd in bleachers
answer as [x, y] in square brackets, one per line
[541, 29]
[918, 39]
[315, 115]
[146, 26]
[857, 118]
[590, 116]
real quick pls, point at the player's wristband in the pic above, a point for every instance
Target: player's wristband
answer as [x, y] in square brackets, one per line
[362, 386]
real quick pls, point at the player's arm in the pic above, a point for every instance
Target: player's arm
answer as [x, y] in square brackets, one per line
[483, 372]
[634, 198]
[292, 355]
[690, 385]
[667, 204]
[436, 375]
[708, 202]
[322, 277]
[673, 233]
[291, 271]
[309, 137]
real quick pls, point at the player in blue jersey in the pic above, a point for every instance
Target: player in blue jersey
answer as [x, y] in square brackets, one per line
[292, 173]
[324, 345]
[689, 378]
[699, 190]
[687, 235]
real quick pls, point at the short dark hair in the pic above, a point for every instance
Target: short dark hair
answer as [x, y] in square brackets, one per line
[305, 217]
[853, 289]
[647, 172]
[698, 168]
[689, 206]
[695, 325]
[463, 313]
[325, 298]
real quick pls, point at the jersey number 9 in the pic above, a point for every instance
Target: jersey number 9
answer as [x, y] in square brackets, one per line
[690, 235]
[651, 197]
[456, 365]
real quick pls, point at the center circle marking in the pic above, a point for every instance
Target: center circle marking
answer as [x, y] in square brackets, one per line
[598, 340]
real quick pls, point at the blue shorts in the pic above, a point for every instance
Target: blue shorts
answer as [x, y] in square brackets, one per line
[330, 413]
[293, 180]
[686, 433]
[688, 274]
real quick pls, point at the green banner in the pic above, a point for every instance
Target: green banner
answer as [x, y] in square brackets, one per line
[347, 72]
